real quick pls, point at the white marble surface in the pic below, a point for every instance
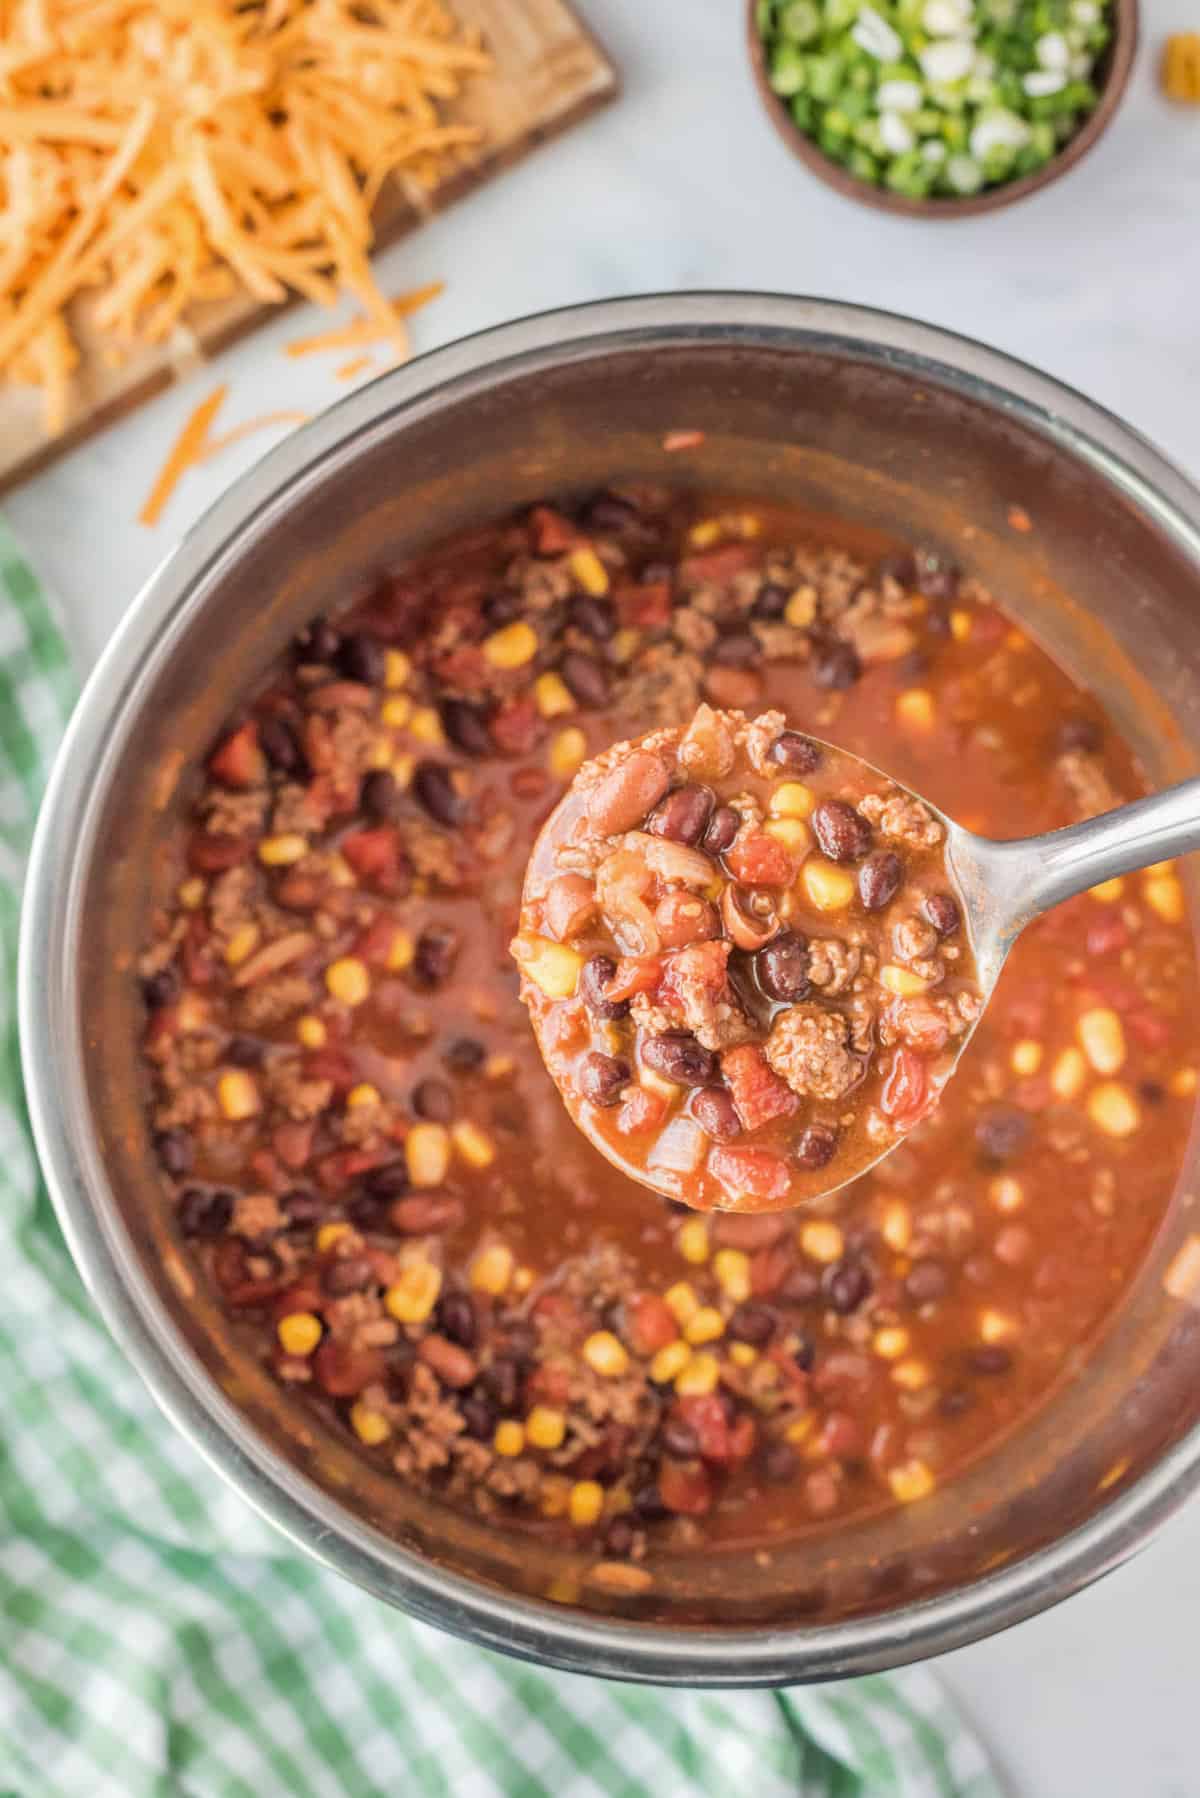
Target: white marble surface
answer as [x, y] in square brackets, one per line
[684, 184]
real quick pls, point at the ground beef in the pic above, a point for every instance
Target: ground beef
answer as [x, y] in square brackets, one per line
[234, 814]
[807, 1048]
[913, 940]
[662, 688]
[435, 856]
[1087, 785]
[693, 630]
[298, 810]
[904, 818]
[293, 1092]
[261, 1007]
[696, 990]
[256, 1214]
[781, 642]
[191, 1104]
[230, 900]
[426, 1423]
[833, 965]
[760, 737]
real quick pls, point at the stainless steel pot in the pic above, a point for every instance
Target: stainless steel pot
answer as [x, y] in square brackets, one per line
[841, 410]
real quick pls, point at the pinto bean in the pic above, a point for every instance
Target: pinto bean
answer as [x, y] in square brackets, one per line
[426, 1213]
[570, 906]
[682, 918]
[628, 792]
[451, 1363]
[682, 816]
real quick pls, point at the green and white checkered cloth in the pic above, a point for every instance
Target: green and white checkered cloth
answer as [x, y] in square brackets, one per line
[157, 1638]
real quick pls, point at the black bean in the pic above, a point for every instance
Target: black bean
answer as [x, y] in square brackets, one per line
[361, 658]
[500, 608]
[352, 1274]
[367, 1213]
[610, 512]
[679, 1439]
[680, 1058]
[795, 752]
[879, 879]
[502, 1383]
[466, 726]
[990, 1358]
[770, 601]
[1152, 1091]
[751, 1322]
[714, 1110]
[1079, 733]
[779, 1462]
[175, 1150]
[835, 664]
[723, 826]
[478, 1417]
[281, 746]
[595, 618]
[737, 649]
[618, 1537]
[899, 566]
[912, 667]
[602, 1077]
[301, 1208]
[456, 1318]
[782, 968]
[936, 576]
[845, 1285]
[465, 1054]
[804, 1354]
[389, 1181]
[245, 1052]
[1002, 1132]
[815, 1146]
[379, 796]
[842, 833]
[204, 1213]
[594, 977]
[161, 989]
[682, 817]
[319, 642]
[586, 678]
[438, 794]
[926, 1281]
[435, 954]
[433, 1100]
[521, 1341]
[646, 1503]
[943, 913]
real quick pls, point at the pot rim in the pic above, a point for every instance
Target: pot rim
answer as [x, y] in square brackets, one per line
[53, 1064]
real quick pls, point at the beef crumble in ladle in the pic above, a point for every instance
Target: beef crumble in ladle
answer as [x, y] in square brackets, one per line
[706, 1144]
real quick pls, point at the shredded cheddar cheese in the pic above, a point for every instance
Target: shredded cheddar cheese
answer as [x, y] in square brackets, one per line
[159, 153]
[194, 446]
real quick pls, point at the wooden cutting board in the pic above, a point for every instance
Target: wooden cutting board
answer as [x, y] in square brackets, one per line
[548, 73]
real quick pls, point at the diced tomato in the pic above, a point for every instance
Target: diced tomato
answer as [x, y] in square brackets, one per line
[759, 1095]
[549, 1384]
[265, 1170]
[769, 1268]
[761, 861]
[1149, 1028]
[375, 855]
[337, 1170]
[464, 669]
[343, 1371]
[751, 1174]
[551, 533]
[702, 967]
[841, 1436]
[515, 726]
[301, 1295]
[318, 743]
[331, 1064]
[649, 1323]
[292, 1142]
[717, 564]
[646, 607]
[237, 762]
[906, 1097]
[213, 851]
[720, 1441]
[635, 974]
[642, 1110]
[374, 944]
[685, 1488]
[1106, 935]
[920, 1023]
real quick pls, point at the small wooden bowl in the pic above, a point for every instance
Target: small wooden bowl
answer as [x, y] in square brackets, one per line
[1111, 76]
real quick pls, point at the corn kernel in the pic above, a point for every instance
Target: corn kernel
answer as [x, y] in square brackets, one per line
[902, 981]
[552, 695]
[681, 1301]
[1164, 895]
[1068, 1074]
[509, 1438]
[707, 1325]
[552, 967]
[1179, 72]
[242, 941]
[396, 711]
[329, 1235]
[586, 1503]
[237, 1095]
[299, 1332]
[890, 1343]
[1108, 891]
[546, 1426]
[827, 887]
[1006, 1194]
[348, 980]
[669, 1362]
[553, 1495]
[914, 707]
[191, 1013]
[371, 1427]
[1113, 1109]
[379, 754]
[791, 799]
[311, 1032]
[800, 1429]
[606, 1354]
[896, 1226]
[411, 1297]
[1157, 868]
[822, 1241]
[523, 1279]
[801, 608]
[1026, 1057]
[340, 872]
[625, 645]
[589, 571]
[512, 647]
[473, 1144]
[427, 1153]
[362, 1095]
[396, 669]
[911, 1376]
[492, 1269]
[498, 1067]
[1102, 1038]
[654, 1082]
[426, 726]
[692, 1241]
[1182, 1083]
[910, 1481]
[282, 851]
[705, 533]
[191, 893]
[731, 1268]
[743, 1354]
[791, 832]
[567, 753]
[402, 765]
[995, 1326]
[960, 625]
[699, 1377]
